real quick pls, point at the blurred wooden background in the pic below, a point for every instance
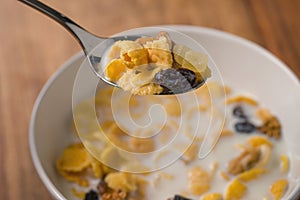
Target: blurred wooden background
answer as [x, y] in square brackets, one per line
[32, 47]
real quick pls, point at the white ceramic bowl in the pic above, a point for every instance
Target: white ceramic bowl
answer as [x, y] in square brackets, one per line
[242, 64]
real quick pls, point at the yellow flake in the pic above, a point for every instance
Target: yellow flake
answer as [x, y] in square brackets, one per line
[136, 57]
[115, 69]
[226, 132]
[263, 114]
[224, 176]
[148, 89]
[284, 163]
[257, 141]
[242, 99]
[97, 168]
[160, 57]
[199, 180]
[159, 51]
[213, 196]
[111, 157]
[76, 177]
[235, 190]
[192, 60]
[77, 193]
[121, 181]
[251, 174]
[141, 145]
[278, 188]
[73, 159]
[191, 153]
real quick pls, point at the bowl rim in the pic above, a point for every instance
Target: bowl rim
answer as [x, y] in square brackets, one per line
[34, 155]
[211, 31]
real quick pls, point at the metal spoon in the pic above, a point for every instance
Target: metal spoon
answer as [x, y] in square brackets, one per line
[93, 46]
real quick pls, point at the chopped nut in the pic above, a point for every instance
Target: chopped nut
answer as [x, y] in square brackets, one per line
[102, 187]
[115, 195]
[246, 160]
[250, 157]
[271, 127]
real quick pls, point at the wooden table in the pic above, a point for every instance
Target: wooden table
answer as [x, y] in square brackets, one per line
[32, 47]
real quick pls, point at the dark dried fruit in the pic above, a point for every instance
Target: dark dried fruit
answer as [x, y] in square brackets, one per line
[178, 197]
[189, 75]
[91, 195]
[244, 127]
[173, 81]
[238, 112]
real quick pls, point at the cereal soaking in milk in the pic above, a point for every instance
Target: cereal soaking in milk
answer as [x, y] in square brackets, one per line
[135, 156]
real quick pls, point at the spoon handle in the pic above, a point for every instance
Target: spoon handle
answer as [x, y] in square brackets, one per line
[86, 39]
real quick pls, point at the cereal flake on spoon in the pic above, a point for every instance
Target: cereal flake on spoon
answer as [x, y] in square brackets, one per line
[157, 65]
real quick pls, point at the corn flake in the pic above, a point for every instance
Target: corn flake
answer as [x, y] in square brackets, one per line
[257, 141]
[199, 180]
[121, 181]
[116, 68]
[77, 193]
[284, 163]
[251, 174]
[73, 159]
[213, 196]
[97, 168]
[242, 99]
[278, 188]
[235, 190]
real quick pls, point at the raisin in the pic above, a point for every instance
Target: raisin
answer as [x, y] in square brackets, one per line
[173, 81]
[189, 75]
[244, 127]
[178, 197]
[238, 112]
[91, 195]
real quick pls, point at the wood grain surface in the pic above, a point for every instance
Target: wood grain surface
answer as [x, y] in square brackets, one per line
[32, 48]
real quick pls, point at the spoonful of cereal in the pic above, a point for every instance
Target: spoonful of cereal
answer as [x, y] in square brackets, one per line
[152, 65]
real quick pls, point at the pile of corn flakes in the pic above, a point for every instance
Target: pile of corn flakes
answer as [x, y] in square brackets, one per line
[153, 65]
